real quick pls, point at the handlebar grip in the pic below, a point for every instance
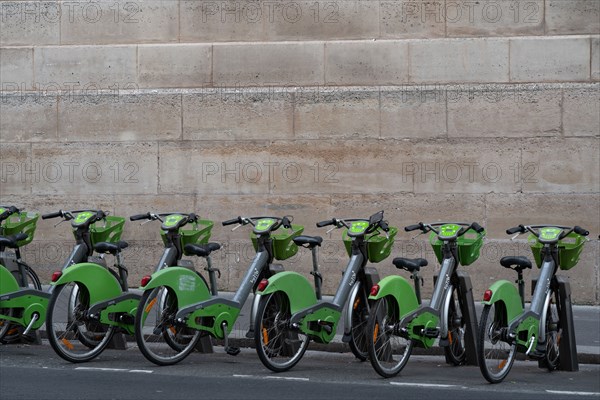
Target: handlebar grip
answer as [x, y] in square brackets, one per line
[325, 223]
[137, 217]
[580, 231]
[232, 221]
[477, 228]
[411, 228]
[285, 221]
[516, 229]
[192, 217]
[52, 215]
[384, 225]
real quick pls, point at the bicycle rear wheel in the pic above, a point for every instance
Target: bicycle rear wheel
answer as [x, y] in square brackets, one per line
[11, 332]
[455, 351]
[279, 347]
[358, 331]
[72, 334]
[495, 355]
[161, 338]
[388, 351]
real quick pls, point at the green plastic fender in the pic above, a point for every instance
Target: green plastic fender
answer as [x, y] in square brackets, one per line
[101, 284]
[299, 291]
[505, 292]
[399, 288]
[185, 283]
[8, 283]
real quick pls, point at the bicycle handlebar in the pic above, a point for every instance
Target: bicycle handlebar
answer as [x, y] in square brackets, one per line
[411, 228]
[531, 228]
[237, 220]
[325, 223]
[580, 231]
[138, 217]
[9, 210]
[53, 215]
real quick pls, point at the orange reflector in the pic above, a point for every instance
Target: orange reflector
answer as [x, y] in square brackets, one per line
[375, 333]
[450, 337]
[502, 364]
[356, 303]
[150, 305]
[68, 344]
[265, 336]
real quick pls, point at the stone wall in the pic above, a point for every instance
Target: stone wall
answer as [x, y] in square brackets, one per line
[484, 111]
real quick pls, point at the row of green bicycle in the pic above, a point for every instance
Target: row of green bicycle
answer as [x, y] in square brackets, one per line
[383, 320]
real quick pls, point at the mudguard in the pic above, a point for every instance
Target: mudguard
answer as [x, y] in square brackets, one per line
[506, 292]
[186, 284]
[8, 283]
[299, 291]
[101, 284]
[399, 288]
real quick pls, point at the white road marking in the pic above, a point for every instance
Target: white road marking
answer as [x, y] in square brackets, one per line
[285, 378]
[422, 384]
[573, 393]
[145, 371]
[141, 371]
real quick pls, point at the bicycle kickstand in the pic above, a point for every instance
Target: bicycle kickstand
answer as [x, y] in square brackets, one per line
[232, 351]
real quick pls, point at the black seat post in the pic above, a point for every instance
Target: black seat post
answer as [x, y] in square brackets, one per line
[418, 281]
[315, 272]
[123, 273]
[521, 282]
[212, 277]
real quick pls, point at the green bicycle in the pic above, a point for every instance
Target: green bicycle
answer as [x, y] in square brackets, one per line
[505, 327]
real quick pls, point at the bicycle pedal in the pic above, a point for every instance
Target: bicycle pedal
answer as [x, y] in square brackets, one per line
[431, 332]
[127, 319]
[250, 333]
[29, 338]
[232, 351]
[537, 355]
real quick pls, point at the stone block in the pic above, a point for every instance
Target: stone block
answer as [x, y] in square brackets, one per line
[225, 21]
[17, 124]
[494, 18]
[279, 64]
[351, 166]
[119, 22]
[595, 58]
[27, 23]
[95, 168]
[505, 211]
[563, 165]
[572, 17]
[337, 112]
[15, 170]
[458, 60]
[214, 167]
[581, 110]
[174, 66]
[550, 59]
[462, 166]
[321, 20]
[413, 112]
[238, 114]
[16, 65]
[504, 111]
[119, 117]
[86, 67]
[366, 63]
[412, 19]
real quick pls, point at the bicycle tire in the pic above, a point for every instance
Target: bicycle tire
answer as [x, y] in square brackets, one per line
[495, 356]
[11, 332]
[274, 338]
[160, 338]
[388, 351]
[67, 320]
[359, 319]
[455, 351]
[553, 332]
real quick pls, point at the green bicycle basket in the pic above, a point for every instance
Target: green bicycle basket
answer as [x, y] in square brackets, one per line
[569, 250]
[283, 243]
[468, 244]
[378, 246]
[107, 230]
[195, 233]
[23, 222]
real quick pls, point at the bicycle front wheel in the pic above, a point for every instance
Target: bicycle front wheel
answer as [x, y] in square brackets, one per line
[278, 345]
[72, 334]
[388, 351]
[455, 350]
[161, 338]
[495, 355]
[553, 332]
[358, 331]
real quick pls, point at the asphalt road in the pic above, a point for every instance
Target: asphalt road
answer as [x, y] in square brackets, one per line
[35, 372]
